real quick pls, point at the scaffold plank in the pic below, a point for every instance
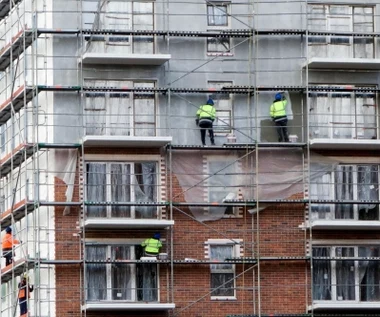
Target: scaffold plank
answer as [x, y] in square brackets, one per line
[16, 269]
[20, 42]
[18, 100]
[5, 7]
[19, 211]
[16, 158]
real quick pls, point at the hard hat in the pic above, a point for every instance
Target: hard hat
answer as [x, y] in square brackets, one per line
[25, 276]
[278, 96]
[157, 236]
[210, 102]
[8, 230]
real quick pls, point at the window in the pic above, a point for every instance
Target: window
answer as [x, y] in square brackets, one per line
[222, 279]
[218, 45]
[121, 182]
[217, 14]
[119, 113]
[119, 281]
[341, 18]
[218, 19]
[223, 105]
[347, 182]
[119, 15]
[343, 115]
[349, 279]
[223, 182]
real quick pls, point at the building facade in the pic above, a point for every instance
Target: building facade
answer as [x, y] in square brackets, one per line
[100, 151]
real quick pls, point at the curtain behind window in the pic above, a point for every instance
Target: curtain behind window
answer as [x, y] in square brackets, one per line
[369, 274]
[96, 189]
[344, 190]
[121, 189]
[96, 275]
[345, 274]
[221, 274]
[321, 275]
[122, 287]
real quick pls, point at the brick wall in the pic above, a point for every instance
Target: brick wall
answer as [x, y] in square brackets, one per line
[283, 284]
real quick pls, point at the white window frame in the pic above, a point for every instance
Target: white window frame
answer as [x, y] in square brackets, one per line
[216, 46]
[355, 191]
[236, 211]
[132, 192]
[356, 130]
[130, 120]
[215, 5]
[333, 254]
[222, 111]
[236, 252]
[108, 268]
[328, 16]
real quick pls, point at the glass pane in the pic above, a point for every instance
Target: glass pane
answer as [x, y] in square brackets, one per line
[320, 188]
[145, 189]
[96, 189]
[320, 116]
[96, 275]
[119, 114]
[147, 287]
[321, 275]
[122, 287]
[217, 15]
[121, 189]
[345, 275]
[222, 284]
[369, 274]
[368, 189]
[366, 116]
[344, 190]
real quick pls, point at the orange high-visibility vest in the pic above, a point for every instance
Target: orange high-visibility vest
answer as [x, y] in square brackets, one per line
[8, 241]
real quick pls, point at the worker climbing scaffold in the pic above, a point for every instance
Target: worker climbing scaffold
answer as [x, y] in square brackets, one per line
[7, 245]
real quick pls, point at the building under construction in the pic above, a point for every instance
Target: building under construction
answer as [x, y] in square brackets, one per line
[99, 150]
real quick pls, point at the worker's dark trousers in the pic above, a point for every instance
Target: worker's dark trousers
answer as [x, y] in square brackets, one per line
[206, 126]
[7, 254]
[23, 306]
[282, 130]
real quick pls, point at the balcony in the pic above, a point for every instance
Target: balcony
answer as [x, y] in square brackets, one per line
[123, 216]
[343, 63]
[125, 141]
[125, 306]
[124, 59]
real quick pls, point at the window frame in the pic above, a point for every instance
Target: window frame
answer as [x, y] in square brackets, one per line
[327, 15]
[216, 46]
[330, 188]
[358, 118]
[132, 244]
[108, 184]
[231, 211]
[216, 5]
[235, 252]
[130, 104]
[218, 85]
[332, 249]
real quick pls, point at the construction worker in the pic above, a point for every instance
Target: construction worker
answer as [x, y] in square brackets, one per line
[7, 245]
[278, 115]
[205, 119]
[152, 245]
[24, 290]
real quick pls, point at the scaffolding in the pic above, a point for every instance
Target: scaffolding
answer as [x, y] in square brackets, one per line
[99, 150]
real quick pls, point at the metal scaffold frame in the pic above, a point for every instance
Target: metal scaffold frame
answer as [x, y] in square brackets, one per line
[32, 156]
